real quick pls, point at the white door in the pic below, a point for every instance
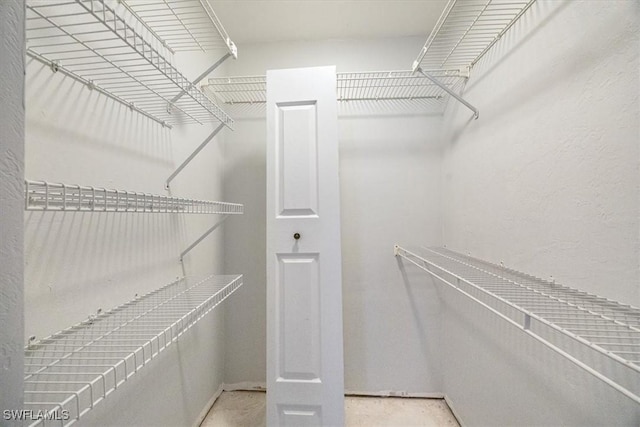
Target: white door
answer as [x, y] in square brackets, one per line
[305, 385]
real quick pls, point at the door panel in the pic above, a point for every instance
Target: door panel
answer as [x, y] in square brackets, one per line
[300, 415]
[305, 385]
[298, 317]
[297, 159]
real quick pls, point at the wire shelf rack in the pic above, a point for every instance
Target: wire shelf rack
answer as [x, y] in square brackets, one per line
[239, 90]
[394, 86]
[68, 373]
[46, 196]
[466, 30]
[183, 25]
[91, 42]
[353, 86]
[598, 335]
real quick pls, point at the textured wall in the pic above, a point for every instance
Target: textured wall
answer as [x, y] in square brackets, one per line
[547, 181]
[11, 203]
[389, 187]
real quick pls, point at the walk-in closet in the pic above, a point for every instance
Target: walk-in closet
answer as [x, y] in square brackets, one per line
[320, 213]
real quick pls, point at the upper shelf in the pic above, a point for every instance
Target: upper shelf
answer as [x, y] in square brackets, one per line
[466, 30]
[90, 41]
[355, 86]
[183, 25]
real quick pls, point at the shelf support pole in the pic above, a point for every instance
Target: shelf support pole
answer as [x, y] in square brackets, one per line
[194, 154]
[444, 87]
[200, 77]
[201, 238]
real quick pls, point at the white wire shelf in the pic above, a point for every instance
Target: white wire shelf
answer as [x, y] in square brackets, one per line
[599, 335]
[466, 30]
[91, 42]
[183, 25]
[46, 196]
[68, 373]
[354, 86]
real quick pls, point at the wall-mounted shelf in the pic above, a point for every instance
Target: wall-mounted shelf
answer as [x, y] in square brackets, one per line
[88, 40]
[355, 86]
[394, 86]
[596, 334]
[45, 196]
[183, 25]
[68, 373]
[466, 30]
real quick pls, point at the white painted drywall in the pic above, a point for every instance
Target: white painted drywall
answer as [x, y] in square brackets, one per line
[12, 19]
[79, 262]
[547, 181]
[390, 192]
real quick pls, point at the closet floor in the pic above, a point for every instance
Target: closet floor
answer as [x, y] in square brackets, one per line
[247, 409]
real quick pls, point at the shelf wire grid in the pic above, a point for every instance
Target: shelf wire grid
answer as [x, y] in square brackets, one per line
[91, 42]
[75, 369]
[46, 196]
[352, 86]
[184, 25]
[466, 30]
[547, 310]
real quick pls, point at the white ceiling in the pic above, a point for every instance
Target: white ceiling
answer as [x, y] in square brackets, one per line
[254, 21]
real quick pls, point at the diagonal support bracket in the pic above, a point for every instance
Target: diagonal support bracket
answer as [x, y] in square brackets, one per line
[194, 154]
[201, 238]
[444, 87]
[199, 78]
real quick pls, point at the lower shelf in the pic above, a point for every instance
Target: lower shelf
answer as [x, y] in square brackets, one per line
[598, 335]
[70, 372]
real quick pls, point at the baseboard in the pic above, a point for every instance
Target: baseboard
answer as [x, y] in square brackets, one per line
[208, 406]
[392, 393]
[246, 386]
[453, 410]
[260, 386]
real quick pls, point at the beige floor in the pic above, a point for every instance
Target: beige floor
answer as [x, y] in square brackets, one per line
[247, 409]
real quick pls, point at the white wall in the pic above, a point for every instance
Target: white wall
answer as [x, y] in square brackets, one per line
[12, 17]
[547, 181]
[79, 262]
[390, 192]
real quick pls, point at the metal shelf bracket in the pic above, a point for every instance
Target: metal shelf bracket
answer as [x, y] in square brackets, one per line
[442, 86]
[200, 77]
[194, 154]
[201, 238]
